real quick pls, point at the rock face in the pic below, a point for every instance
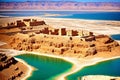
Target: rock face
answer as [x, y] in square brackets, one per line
[10, 69]
[107, 44]
[62, 41]
[6, 62]
[63, 5]
[91, 51]
[60, 45]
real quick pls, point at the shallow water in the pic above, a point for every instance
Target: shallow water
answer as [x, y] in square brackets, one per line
[110, 68]
[47, 68]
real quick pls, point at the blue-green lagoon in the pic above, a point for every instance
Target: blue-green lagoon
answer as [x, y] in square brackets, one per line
[47, 68]
[109, 68]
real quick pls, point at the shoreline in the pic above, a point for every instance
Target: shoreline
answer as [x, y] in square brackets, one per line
[70, 60]
[49, 17]
[29, 71]
[79, 67]
[76, 67]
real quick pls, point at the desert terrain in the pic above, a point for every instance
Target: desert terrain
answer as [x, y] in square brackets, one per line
[79, 39]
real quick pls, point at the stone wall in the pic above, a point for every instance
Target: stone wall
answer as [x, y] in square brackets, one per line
[37, 23]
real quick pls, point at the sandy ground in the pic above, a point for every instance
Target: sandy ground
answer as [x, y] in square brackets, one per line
[97, 26]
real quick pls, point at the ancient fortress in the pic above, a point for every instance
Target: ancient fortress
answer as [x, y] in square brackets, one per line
[33, 23]
[38, 36]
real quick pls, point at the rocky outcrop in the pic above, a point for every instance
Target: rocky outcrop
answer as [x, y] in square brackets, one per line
[91, 51]
[6, 62]
[10, 69]
[105, 43]
[104, 39]
[64, 45]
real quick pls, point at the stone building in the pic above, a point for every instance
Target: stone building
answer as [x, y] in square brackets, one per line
[74, 33]
[20, 23]
[11, 25]
[36, 23]
[27, 20]
[45, 30]
[63, 31]
[54, 32]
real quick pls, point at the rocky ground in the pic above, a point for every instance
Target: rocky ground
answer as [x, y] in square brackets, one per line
[11, 69]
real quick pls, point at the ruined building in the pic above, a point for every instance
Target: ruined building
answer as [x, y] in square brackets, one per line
[63, 31]
[55, 32]
[74, 33]
[20, 23]
[36, 23]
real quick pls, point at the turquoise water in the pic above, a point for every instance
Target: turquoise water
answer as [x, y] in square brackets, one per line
[110, 68]
[116, 36]
[67, 14]
[47, 68]
[95, 16]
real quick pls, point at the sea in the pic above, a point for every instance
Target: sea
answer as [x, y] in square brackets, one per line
[91, 15]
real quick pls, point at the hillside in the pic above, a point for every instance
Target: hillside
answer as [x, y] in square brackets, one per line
[10, 68]
[61, 5]
[37, 36]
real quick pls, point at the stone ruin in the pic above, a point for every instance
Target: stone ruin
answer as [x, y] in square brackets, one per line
[45, 31]
[63, 31]
[36, 23]
[55, 32]
[87, 36]
[20, 23]
[27, 20]
[74, 33]
[30, 23]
